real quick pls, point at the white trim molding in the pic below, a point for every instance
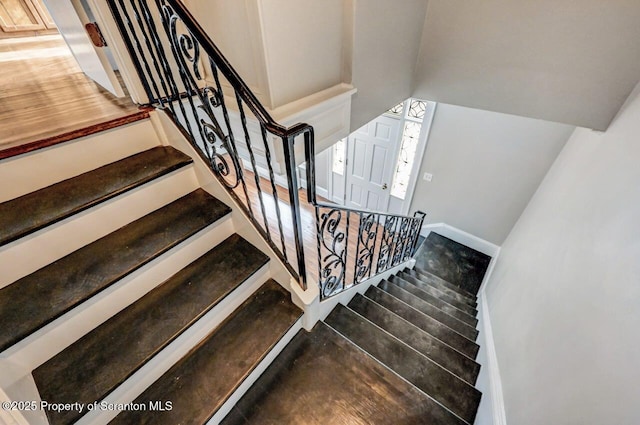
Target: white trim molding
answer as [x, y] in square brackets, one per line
[462, 237]
[488, 349]
[493, 370]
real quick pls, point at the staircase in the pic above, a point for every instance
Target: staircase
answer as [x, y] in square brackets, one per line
[140, 285]
[403, 352]
[133, 294]
[128, 272]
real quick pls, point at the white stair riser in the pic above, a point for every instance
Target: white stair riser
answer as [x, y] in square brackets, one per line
[57, 335]
[34, 251]
[161, 363]
[32, 171]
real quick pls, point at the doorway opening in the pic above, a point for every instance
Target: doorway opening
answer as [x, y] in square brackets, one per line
[375, 167]
[43, 90]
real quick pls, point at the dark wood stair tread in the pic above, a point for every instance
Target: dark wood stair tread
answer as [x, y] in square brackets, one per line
[39, 298]
[321, 378]
[34, 211]
[425, 274]
[401, 291]
[202, 380]
[467, 299]
[409, 284]
[424, 322]
[440, 384]
[460, 305]
[96, 364]
[450, 359]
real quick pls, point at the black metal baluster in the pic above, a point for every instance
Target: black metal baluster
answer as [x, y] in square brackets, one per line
[396, 237]
[332, 240]
[165, 12]
[154, 59]
[319, 249]
[411, 238]
[345, 251]
[117, 14]
[180, 46]
[375, 239]
[357, 265]
[364, 256]
[272, 180]
[138, 46]
[256, 175]
[292, 181]
[173, 91]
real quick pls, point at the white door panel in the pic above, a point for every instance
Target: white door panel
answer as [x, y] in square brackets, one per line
[383, 131]
[70, 19]
[371, 158]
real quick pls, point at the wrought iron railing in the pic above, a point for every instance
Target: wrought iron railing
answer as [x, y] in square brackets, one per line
[352, 243]
[184, 74]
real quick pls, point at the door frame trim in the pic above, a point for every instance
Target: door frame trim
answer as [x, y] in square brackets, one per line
[423, 141]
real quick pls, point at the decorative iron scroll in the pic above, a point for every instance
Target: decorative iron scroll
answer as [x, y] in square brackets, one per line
[220, 144]
[388, 242]
[332, 251]
[385, 240]
[180, 69]
[367, 238]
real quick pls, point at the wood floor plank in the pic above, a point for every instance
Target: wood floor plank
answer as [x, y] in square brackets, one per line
[43, 92]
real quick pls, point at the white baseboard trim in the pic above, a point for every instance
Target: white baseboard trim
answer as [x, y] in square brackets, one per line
[462, 237]
[495, 382]
[489, 272]
[321, 191]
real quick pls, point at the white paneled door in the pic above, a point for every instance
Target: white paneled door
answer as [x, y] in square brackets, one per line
[372, 152]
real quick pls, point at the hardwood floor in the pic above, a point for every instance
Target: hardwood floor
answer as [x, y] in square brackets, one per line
[43, 92]
[308, 224]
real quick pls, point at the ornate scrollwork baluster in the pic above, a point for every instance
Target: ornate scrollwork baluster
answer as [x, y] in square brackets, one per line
[400, 240]
[386, 245]
[219, 145]
[366, 237]
[332, 252]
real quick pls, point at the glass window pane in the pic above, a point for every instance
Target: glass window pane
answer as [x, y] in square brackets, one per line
[410, 135]
[396, 110]
[417, 109]
[338, 157]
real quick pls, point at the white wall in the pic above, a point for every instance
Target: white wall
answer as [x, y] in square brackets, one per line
[560, 60]
[303, 41]
[564, 295]
[386, 40]
[236, 29]
[284, 49]
[485, 166]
